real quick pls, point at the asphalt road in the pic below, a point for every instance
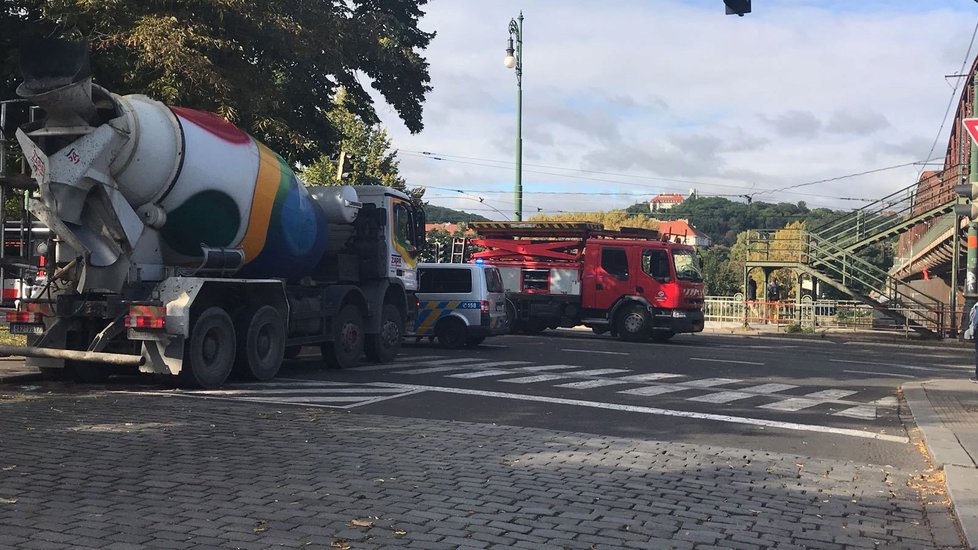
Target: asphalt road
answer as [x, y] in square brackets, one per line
[563, 440]
[807, 396]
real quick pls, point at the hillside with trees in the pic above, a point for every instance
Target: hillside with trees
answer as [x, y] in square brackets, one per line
[441, 214]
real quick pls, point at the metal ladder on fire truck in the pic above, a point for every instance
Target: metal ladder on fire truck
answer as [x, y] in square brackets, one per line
[828, 253]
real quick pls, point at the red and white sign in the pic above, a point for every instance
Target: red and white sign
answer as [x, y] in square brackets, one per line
[971, 125]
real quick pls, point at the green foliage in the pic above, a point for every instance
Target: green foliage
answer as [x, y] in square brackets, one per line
[722, 276]
[613, 219]
[440, 214]
[271, 67]
[722, 219]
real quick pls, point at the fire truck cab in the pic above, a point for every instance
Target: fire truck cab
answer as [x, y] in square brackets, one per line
[630, 283]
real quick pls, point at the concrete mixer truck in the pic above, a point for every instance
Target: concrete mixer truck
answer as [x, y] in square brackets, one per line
[183, 246]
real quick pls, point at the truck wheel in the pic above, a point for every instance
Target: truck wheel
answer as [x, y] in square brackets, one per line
[347, 346]
[209, 353]
[383, 347]
[262, 345]
[633, 324]
[450, 333]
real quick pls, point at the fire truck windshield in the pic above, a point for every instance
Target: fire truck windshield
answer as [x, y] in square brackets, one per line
[687, 265]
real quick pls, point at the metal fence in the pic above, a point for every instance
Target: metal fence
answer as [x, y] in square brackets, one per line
[808, 315]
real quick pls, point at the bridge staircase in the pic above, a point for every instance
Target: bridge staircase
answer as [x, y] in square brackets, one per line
[828, 253]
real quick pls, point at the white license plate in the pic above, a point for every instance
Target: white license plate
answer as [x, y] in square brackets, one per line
[18, 328]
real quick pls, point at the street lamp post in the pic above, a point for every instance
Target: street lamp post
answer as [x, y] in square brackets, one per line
[514, 60]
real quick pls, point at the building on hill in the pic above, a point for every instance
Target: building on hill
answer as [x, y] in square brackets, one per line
[665, 201]
[681, 231]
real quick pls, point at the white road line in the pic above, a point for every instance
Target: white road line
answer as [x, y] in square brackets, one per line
[452, 361]
[769, 388]
[588, 384]
[890, 401]
[722, 397]
[862, 411]
[549, 367]
[709, 382]
[649, 377]
[793, 404]
[309, 399]
[830, 395]
[890, 374]
[272, 391]
[412, 363]
[480, 374]
[432, 370]
[597, 351]
[724, 361]
[496, 364]
[653, 390]
[895, 365]
[534, 379]
[662, 412]
[595, 372]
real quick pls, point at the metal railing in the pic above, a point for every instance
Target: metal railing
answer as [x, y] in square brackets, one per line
[852, 273]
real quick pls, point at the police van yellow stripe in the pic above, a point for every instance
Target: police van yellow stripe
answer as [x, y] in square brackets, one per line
[431, 311]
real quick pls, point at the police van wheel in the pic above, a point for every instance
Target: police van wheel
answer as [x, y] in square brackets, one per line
[347, 346]
[209, 352]
[261, 347]
[450, 333]
[633, 323]
[383, 347]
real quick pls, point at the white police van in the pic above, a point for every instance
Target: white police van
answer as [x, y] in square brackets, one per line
[460, 304]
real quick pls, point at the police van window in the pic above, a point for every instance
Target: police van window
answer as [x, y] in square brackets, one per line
[615, 262]
[656, 264]
[494, 281]
[445, 280]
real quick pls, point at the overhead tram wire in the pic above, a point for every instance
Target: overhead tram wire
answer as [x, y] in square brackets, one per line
[446, 158]
[950, 101]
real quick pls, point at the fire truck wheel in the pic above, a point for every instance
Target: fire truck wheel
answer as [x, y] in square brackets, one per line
[474, 341]
[450, 333]
[262, 343]
[209, 352]
[383, 347]
[347, 346]
[633, 323]
[292, 352]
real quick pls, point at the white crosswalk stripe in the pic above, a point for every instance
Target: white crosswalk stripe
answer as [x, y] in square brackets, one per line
[550, 367]
[650, 377]
[588, 384]
[595, 372]
[653, 390]
[710, 382]
[722, 397]
[534, 379]
[433, 370]
[480, 374]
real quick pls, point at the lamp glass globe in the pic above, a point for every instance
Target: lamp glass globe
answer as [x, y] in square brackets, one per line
[509, 61]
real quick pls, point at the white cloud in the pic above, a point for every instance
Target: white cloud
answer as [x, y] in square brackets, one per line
[791, 93]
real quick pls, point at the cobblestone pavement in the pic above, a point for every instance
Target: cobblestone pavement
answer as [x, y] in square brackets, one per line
[123, 471]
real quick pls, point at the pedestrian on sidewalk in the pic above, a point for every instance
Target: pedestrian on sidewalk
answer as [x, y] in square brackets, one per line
[970, 335]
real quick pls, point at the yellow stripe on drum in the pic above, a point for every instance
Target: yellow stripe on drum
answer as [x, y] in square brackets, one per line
[266, 187]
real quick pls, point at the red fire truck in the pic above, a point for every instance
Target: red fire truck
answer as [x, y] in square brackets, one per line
[630, 283]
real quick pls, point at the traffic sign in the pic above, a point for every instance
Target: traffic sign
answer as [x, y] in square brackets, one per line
[971, 125]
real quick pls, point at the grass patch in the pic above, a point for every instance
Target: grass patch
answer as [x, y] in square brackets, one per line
[8, 339]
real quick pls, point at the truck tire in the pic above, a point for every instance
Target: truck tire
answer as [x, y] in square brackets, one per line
[383, 347]
[261, 346]
[208, 354]
[450, 333]
[347, 346]
[633, 323]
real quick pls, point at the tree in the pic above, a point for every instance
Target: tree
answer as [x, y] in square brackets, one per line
[271, 67]
[613, 219]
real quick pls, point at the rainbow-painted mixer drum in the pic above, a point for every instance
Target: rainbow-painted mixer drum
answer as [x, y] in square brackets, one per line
[231, 191]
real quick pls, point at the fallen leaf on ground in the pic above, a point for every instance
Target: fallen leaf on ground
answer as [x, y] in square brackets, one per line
[261, 527]
[399, 532]
[8, 468]
[8, 500]
[341, 544]
[360, 523]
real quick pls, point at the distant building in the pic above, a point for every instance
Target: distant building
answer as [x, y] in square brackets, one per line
[665, 201]
[449, 228]
[682, 232]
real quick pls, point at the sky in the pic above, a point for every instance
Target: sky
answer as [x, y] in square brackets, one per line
[623, 100]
